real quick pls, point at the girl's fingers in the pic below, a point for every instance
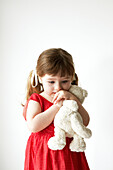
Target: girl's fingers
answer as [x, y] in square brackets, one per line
[55, 97]
[61, 95]
[58, 96]
[58, 99]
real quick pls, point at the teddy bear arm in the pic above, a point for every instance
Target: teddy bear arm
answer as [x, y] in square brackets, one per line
[78, 126]
[76, 122]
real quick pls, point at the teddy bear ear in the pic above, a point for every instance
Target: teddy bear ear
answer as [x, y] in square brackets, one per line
[73, 88]
[85, 93]
[71, 104]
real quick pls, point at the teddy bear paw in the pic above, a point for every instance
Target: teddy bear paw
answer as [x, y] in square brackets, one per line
[55, 144]
[78, 146]
[87, 133]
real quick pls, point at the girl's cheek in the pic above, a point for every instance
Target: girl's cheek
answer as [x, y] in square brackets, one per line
[67, 86]
[50, 87]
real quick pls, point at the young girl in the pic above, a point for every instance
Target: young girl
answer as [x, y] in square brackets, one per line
[47, 87]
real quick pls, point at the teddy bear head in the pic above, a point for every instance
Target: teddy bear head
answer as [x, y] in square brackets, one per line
[78, 92]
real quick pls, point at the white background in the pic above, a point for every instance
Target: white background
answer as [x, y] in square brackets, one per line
[85, 29]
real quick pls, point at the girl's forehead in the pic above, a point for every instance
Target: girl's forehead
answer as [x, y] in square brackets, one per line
[48, 76]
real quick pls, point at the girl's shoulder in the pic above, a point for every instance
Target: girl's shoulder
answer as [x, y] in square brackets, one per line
[36, 97]
[39, 98]
[44, 103]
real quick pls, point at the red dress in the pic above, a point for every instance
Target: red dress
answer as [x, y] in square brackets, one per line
[39, 157]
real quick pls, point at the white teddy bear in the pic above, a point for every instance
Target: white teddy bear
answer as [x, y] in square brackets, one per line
[69, 123]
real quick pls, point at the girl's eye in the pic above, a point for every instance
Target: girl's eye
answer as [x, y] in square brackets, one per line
[65, 81]
[51, 82]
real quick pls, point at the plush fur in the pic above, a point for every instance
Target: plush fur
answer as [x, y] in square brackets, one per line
[69, 123]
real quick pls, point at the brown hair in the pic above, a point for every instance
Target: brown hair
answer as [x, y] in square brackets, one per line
[52, 62]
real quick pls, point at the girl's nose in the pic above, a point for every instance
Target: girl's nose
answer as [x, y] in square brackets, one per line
[58, 86]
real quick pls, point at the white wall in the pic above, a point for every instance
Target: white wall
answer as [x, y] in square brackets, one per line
[84, 29]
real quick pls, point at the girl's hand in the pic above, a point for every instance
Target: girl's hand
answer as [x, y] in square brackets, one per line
[59, 104]
[63, 95]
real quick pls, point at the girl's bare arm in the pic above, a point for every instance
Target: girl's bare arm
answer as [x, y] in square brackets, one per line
[37, 120]
[83, 112]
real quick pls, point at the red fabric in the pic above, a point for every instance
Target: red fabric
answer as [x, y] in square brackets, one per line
[39, 157]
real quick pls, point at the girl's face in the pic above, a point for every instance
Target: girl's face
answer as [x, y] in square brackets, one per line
[53, 84]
